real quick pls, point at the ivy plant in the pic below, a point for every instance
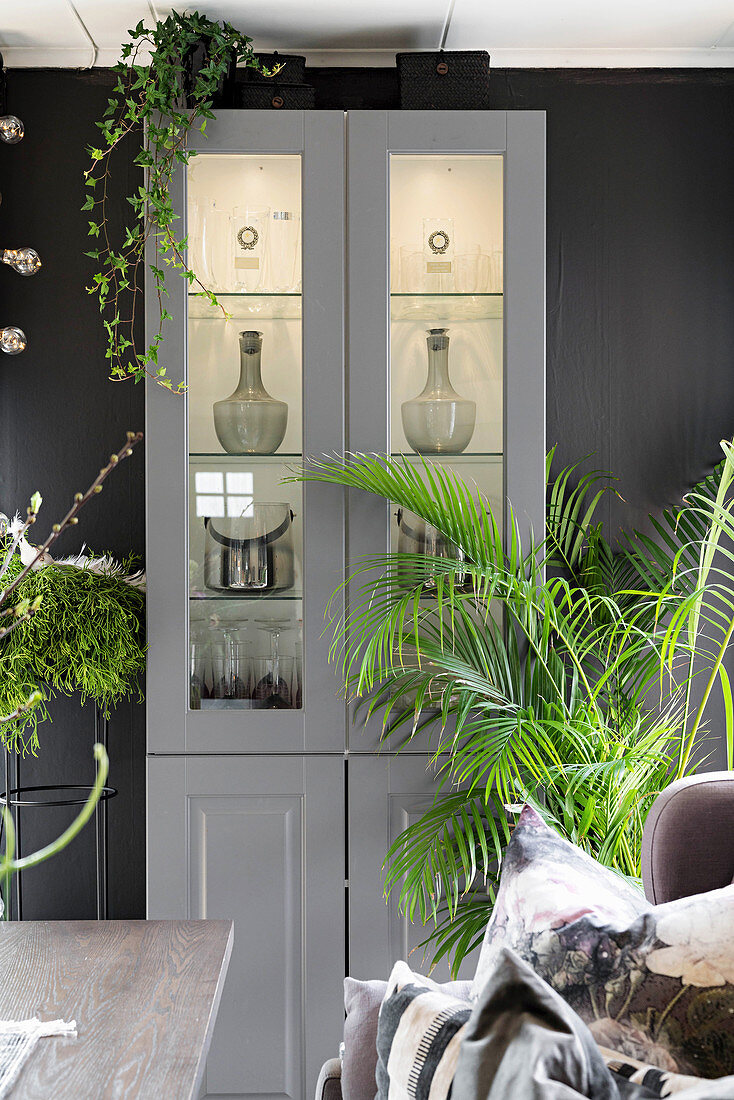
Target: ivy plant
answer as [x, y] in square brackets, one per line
[159, 103]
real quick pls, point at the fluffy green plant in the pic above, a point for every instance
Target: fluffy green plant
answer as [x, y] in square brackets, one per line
[86, 636]
[560, 673]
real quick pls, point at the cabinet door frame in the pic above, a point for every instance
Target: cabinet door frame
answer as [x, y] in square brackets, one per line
[318, 136]
[519, 136]
[180, 789]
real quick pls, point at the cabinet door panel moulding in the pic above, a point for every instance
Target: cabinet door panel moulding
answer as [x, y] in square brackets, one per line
[259, 840]
[385, 796]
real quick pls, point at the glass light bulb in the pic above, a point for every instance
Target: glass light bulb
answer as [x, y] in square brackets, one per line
[25, 261]
[11, 129]
[12, 340]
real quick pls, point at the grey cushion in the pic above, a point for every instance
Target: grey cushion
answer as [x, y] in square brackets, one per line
[523, 1042]
[362, 1002]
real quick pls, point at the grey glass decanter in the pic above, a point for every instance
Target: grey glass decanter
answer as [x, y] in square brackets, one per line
[438, 420]
[250, 421]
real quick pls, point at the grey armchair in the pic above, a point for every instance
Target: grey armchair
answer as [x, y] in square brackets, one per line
[688, 840]
[328, 1086]
[687, 848]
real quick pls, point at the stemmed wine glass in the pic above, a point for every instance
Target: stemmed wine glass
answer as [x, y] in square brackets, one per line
[274, 673]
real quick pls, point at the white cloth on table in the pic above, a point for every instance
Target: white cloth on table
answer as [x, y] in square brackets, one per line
[17, 1040]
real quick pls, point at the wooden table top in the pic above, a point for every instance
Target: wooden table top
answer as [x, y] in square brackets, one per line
[144, 995]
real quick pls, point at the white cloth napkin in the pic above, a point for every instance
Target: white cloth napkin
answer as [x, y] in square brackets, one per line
[17, 1040]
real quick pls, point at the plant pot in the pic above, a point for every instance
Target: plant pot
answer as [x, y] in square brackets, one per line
[194, 60]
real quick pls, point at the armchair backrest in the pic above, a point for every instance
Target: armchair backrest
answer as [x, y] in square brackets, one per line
[688, 839]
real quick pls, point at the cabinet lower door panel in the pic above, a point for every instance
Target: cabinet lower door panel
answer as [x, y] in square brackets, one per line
[385, 796]
[259, 840]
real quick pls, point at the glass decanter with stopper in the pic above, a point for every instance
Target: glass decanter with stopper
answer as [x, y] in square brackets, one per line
[438, 420]
[250, 421]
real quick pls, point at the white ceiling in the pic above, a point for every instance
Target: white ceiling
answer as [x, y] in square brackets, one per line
[517, 33]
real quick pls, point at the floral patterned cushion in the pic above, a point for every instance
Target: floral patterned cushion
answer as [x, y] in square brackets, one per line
[653, 982]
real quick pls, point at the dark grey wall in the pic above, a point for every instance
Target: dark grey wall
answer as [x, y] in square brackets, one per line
[640, 273]
[640, 340]
[59, 420]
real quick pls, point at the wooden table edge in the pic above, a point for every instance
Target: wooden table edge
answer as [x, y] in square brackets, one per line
[213, 1012]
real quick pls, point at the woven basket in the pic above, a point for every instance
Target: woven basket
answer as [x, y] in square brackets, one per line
[293, 71]
[193, 61]
[269, 95]
[444, 81]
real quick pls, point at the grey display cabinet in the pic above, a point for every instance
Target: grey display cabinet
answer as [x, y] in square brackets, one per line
[341, 239]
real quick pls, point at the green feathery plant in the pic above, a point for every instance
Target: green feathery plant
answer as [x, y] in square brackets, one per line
[153, 102]
[87, 636]
[559, 674]
[63, 626]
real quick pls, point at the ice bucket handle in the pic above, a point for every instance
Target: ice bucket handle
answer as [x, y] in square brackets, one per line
[268, 539]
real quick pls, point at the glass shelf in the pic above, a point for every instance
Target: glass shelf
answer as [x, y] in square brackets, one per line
[445, 307]
[211, 598]
[240, 306]
[463, 459]
[223, 456]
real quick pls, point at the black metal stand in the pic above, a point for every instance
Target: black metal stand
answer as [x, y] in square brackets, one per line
[18, 797]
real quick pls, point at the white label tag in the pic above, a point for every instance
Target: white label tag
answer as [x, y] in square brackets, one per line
[438, 267]
[246, 263]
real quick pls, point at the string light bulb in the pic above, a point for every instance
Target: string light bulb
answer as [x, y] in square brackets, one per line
[11, 129]
[12, 340]
[25, 261]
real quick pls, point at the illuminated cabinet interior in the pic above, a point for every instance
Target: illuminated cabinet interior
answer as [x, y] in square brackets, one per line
[245, 431]
[446, 331]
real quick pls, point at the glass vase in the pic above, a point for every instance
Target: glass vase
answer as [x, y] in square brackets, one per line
[438, 420]
[250, 421]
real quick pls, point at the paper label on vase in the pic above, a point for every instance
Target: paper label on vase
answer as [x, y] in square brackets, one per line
[247, 263]
[438, 267]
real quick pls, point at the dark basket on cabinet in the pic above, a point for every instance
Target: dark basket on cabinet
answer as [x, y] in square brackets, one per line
[269, 95]
[454, 80]
[292, 72]
[193, 61]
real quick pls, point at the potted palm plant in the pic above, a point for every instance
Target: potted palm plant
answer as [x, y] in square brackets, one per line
[578, 698]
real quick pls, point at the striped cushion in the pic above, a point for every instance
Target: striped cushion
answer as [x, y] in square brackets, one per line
[418, 1036]
[658, 1082]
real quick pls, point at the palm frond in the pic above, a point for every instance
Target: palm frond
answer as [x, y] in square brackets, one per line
[571, 508]
[572, 692]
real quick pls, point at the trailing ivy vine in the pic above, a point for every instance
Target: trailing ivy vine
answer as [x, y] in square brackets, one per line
[157, 102]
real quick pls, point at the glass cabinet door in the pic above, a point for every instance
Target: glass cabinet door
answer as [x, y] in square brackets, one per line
[245, 432]
[447, 316]
[242, 562]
